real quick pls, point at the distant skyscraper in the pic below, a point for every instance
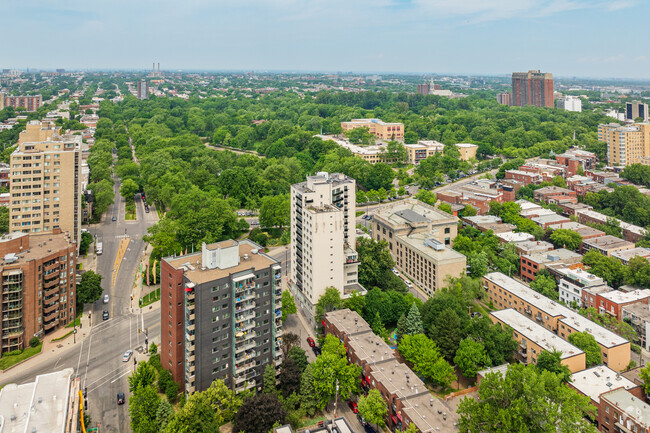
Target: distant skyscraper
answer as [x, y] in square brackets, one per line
[143, 89]
[532, 88]
[424, 89]
[636, 109]
[504, 98]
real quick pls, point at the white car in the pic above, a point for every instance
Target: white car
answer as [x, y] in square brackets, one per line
[408, 283]
[127, 355]
[106, 299]
[395, 271]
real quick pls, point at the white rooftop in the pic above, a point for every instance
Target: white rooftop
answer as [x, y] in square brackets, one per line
[594, 381]
[603, 218]
[515, 237]
[39, 406]
[619, 297]
[636, 408]
[604, 337]
[535, 333]
[525, 205]
[628, 255]
[503, 369]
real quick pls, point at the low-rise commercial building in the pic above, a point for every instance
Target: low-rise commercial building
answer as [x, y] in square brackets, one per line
[377, 127]
[220, 315]
[422, 150]
[534, 339]
[531, 264]
[606, 245]
[505, 292]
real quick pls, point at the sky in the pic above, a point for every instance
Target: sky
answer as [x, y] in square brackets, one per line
[581, 38]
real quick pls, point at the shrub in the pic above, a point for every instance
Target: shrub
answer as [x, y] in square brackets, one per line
[34, 341]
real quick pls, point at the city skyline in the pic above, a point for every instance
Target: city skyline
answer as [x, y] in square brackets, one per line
[407, 36]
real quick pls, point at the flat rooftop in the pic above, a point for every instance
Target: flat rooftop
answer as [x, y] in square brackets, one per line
[633, 406]
[418, 243]
[533, 246]
[594, 381]
[40, 245]
[398, 379]
[411, 211]
[39, 406]
[553, 256]
[503, 369]
[482, 219]
[608, 241]
[370, 348]
[620, 297]
[549, 218]
[535, 333]
[628, 255]
[569, 317]
[515, 237]
[603, 218]
[194, 271]
[525, 204]
[639, 310]
[585, 278]
[432, 415]
[347, 321]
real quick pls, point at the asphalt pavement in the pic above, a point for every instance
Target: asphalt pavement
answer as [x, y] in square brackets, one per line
[97, 353]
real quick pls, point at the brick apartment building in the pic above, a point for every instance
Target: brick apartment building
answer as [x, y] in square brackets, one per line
[38, 286]
[531, 264]
[29, 103]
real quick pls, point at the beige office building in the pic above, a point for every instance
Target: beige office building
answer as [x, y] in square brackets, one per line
[377, 127]
[45, 182]
[323, 234]
[422, 150]
[629, 144]
[419, 237]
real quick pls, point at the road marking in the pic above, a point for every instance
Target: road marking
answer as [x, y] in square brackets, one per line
[100, 386]
[79, 361]
[121, 375]
[88, 360]
[130, 334]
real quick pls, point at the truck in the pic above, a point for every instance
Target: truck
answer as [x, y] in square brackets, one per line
[99, 248]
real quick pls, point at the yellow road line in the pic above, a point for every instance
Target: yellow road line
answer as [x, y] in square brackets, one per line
[124, 244]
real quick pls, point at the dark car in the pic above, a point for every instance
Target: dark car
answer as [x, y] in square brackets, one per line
[114, 218]
[120, 398]
[353, 406]
[316, 350]
[368, 428]
[311, 342]
[105, 315]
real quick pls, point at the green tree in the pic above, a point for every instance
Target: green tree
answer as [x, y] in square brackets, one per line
[223, 400]
[645, 376]
[413, 323]
[259, 413]
[637, 272]
[378, 327]
[299, 356]
[400, 330]
[445, 207]
[608, 268]
[564, 238]
[89, 289]
[447, 333]
[144, 375]
[103, 196]
[552, 361]
[128, 189]
[308, 397]
[275, 211]
[587, 342]
[195, 416]
[426, 196]
[373, 408]
[4, 219]
[329, 301]
[269, 379]
[143, 407]
[289, 377]
[425, 358]
[471, 357]
[525, 400]
[164, 413]
[328, 369]
[355, 302]
[545, 285]
[375, 263]
[288, 305]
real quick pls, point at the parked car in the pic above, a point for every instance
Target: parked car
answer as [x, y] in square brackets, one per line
[353, 406]
[311, 342]
[476, 314]
[106, 299]
[120, 398]
[105, 315]
[316, 350]
[127, 355]
[368, 428]
[408, 283]
[114, 218]
[395, 271]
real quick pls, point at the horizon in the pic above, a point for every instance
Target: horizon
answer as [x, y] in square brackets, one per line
[563, 37]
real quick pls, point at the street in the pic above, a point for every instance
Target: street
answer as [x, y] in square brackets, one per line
[96, 356]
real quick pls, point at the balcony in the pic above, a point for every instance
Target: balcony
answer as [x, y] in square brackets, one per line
[244, 346]
[245, 297]
[50, 300]
[12, 306]
[243, 367]
[192, 317]
[13, 315]
[244, 317]
[243, 336]
[52, 284]
[539, 318]
[51, 316]
[51, 292]
[245, 327]
[243, 287]
[190, 326]
[278, 332]
[14, 333]
[51, 325]
[243, 308]
[528, 311]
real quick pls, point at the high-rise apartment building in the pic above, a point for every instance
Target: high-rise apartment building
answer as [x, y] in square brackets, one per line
[635, 110]
[143, 89]
[532, 88]
[220, 315]
[626, 145]
[377, 127]
[29, 103]
[46, 182]
[323, 215]
[38, 286]
[570, 103]
[504, 98]
[424, 89]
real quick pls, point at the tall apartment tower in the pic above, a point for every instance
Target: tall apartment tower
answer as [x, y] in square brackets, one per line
[636, 109]
[504, 98]
[220, 315]
[143, 89]
[38, 286]
[629, 144]
[29, 103]
[532, 88]
[46, 182]
[323, 214]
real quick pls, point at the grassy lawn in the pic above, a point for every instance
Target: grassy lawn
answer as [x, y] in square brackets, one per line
[76, 322]
[129, 210]
[65, 336]
[360, 212]
[150, 298]
[9, 360]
